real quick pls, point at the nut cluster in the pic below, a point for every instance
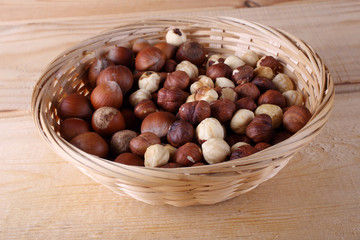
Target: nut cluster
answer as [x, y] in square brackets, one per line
[171, 105]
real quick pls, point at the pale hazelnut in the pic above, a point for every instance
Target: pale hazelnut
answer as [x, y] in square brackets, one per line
[271, 62]
[138, 96]
[186, 66]
[293, 97]
[234, 62]
[274, 111]
[250, 58]
[215, 150]
[214, 59]
[190, 98]
[240, 120]
[265, 72]
[238, 144]
[227, 93]
[150, 81]
[207, 94]
[209, 128]
[203, 81]
[156, 155]
[171, 150]
[283, 83]
[175, 37]
[224, 82]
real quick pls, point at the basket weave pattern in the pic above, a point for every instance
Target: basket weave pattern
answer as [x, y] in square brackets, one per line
[195, 185]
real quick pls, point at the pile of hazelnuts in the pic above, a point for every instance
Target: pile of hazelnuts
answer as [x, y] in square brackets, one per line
[170, 105]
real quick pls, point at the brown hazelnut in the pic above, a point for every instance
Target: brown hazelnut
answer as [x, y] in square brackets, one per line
[242, 74]
[71, 127]
[107, 120]
[139, 44]
[168, 49]
[129, 159]
[180, 132]
[234, 138]
[238, 144]
[139, 144]
[263, 84]
[246, 103]
[120, 74]
[219, 70]
[131, 121]
[227, 93]
[96, 67]
[248, 90]
[271, 62]
[274, 111]
[75, 105]
[121, 56]
[261, 146]
[107, 94]
[91, 143]
[195, 112]
[193, 52]
[242, 151]
[150, 59]
[158, 123]
[272, 97]
[222, 110]
[265, 72]
[144, 108]
[214, 59]
[178, 79]
[206, 93]
[171, 165]
[260, 129]
[280, 136]
[119, 142]
[198, 164]
[188, 154]
[170, 66]
[296, 118]
[170, 99]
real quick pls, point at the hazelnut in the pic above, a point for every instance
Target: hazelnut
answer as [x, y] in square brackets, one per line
[119, 142]
[283, 83]
[247, 90]
[191, 51]
[224, 82]
[246, 103]
[168, 49]
[180, 132]
[150, 81]
[240, 120]
[175, 37]
[214, 59]
[234, 62]
[250, 58]
[158, 123]
[170, 66]
[274, 111]
[271, 62]
[206, 93]
[107, 94]
[96, 67]
[71, 127]
[144, 108]
[171, 165]
[120, 74]
[171, 150]
[215, 150]
[203, 81]
[186, 66]
[226, 93]
[209, 128]
[272, 97]
[156, 155]
[242, 151]
[293, 97]
[195, 112]
[178, 79]
[188, 154]
[261, 146]
[265, 72]
[170, 99]
[236, 145]
[234, 138]
[198, 164]
[121, 56]
[131, 121]
[219, 70]
[190, 98]
[138, 96]
[75, 105]
[296, 118]
[139, 44]
[279, 137]
[129, 159]
[222, 110]
[107, 120]
[91, 143]
[139, 144]
[242, 74]
[150, 59]
[260, 129]
[263, 84]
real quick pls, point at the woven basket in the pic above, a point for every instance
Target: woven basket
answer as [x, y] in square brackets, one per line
[194, 185]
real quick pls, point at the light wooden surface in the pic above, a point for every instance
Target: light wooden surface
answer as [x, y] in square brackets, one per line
[316, 196]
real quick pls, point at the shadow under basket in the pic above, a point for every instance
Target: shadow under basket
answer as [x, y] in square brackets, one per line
[207, 184]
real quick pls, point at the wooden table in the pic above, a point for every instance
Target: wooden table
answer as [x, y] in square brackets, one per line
[316, 196]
